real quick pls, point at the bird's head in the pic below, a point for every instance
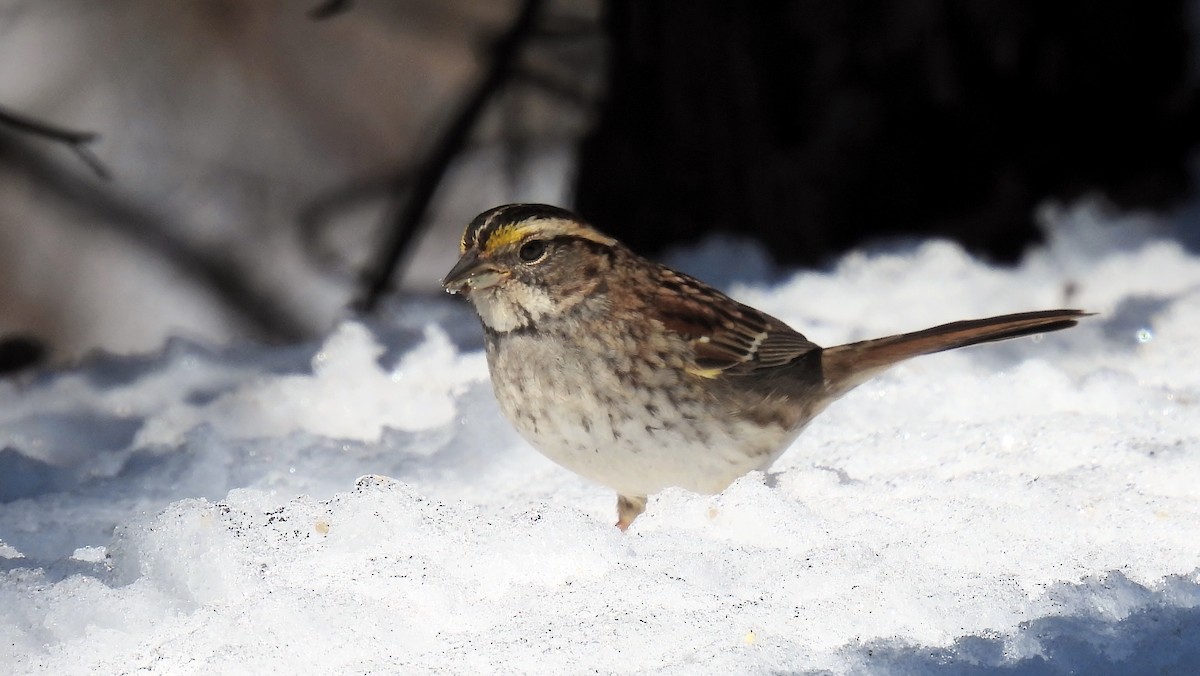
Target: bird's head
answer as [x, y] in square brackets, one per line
[523, 263]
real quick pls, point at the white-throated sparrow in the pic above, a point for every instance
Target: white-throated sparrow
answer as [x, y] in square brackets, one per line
[639, 377]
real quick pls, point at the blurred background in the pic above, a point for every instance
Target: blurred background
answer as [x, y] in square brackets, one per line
[224, 170]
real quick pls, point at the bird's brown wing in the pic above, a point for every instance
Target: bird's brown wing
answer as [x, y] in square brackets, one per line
[728, 338]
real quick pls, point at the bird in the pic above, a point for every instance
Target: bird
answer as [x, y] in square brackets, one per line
[639, 377]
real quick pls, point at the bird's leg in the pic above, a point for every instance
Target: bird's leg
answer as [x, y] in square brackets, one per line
[628, 508]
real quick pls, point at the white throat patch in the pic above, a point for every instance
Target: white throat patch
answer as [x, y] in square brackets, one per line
[511, 308]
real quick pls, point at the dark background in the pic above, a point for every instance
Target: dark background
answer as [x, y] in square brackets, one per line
[820, 125]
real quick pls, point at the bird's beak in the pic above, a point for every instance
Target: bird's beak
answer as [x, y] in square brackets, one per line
[472, 274]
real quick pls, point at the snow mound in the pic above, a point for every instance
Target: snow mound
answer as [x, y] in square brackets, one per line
[360, 506]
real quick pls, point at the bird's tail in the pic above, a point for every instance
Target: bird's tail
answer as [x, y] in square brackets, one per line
[847, 366]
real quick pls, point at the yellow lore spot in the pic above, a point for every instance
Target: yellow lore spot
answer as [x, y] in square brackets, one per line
[506, 236]
[510, 235]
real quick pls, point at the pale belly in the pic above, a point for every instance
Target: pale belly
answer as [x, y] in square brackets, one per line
[578, 412]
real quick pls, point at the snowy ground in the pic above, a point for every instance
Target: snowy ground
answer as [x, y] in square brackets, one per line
[1033, 505]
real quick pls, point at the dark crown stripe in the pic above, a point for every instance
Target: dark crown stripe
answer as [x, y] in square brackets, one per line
[482, 227]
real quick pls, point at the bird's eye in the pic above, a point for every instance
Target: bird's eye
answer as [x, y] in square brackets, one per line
[532, 250]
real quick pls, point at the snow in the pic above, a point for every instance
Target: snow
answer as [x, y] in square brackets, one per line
[359, 506]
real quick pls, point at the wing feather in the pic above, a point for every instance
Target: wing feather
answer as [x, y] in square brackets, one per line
[728, 338]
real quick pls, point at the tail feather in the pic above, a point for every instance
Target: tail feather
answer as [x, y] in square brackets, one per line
[847, 366]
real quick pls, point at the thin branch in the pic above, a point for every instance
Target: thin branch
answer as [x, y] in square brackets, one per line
[377, 278]
[263, 313]
[316, 216]
[76, 141]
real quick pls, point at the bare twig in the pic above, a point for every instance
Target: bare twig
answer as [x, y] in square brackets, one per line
[318, 214]
[264, 314]
[377, 277]
[77, 141]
